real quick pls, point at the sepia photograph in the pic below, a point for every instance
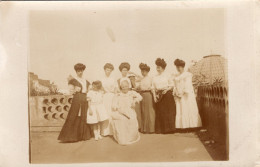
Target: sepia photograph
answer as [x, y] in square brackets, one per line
[123, 83]
[128, 85]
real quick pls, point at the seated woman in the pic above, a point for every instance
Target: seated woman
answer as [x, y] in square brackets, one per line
[124, 121]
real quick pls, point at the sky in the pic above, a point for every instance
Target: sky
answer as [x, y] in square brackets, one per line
[60, 39]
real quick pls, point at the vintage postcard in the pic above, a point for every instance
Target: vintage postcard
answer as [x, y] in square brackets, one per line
[132, 82]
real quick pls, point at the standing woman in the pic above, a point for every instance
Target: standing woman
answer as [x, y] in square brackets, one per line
[165, 109]
[110, 87]
[124, 69]
[75, 127]
[187, 115]
[147, 104]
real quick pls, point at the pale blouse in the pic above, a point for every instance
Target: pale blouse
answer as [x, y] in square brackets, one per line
[183, 83]
[109, 84]
[146, 83]
[162, 81]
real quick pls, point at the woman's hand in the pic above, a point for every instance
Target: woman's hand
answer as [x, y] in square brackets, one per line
[77, 89]
[114, 108]
[155, 99]
[165, 91]
[180, 95]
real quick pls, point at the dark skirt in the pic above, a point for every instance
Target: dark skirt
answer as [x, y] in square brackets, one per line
[75, 127]
[147, 113]
[165, 111]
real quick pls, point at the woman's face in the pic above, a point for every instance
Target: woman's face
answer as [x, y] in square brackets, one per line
[79, 73]
[144, 73]
[180, 69]
[125, 86]
[159, 69]
[108, 72]
[124, 72]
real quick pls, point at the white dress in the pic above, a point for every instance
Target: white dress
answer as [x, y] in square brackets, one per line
[110, 86]
[187, 115]
[97, 107]
[124, 121]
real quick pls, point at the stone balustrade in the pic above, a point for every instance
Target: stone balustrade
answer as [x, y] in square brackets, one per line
[48, 113]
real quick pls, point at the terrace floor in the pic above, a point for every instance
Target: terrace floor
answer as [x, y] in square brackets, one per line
[45, 148]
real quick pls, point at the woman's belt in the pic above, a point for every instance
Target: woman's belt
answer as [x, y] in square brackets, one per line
[80, 93]
[143, 91]
[159, 94]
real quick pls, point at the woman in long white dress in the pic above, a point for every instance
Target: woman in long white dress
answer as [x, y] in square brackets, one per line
[110, 87]
[187, 114]
[124, 121]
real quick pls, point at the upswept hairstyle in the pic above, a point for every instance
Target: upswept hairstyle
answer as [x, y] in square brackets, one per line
[160, 62]
[109, 65]
[124, 65]
[179, 63]
[144, 67]
[79, 67]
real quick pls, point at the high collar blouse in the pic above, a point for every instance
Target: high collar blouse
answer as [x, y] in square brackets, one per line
[82, 81]
[109, 84]
[162, 81]
[146, 83]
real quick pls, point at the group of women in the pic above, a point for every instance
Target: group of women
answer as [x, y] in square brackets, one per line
[132, 104]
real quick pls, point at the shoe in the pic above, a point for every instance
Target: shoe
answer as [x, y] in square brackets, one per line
[96, 138]
[100, 137]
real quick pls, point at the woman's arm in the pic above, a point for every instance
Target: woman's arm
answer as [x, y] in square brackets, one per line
[153, 90]
[71, 89]
[137, 97]
[170, 85]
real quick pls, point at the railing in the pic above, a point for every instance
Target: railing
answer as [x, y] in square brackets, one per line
[48, 113]
[213, 107]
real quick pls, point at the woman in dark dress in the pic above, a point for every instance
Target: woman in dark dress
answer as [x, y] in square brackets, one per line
[165, 108]
[75, 127]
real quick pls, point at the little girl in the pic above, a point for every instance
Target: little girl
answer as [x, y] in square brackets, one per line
[96, 112]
